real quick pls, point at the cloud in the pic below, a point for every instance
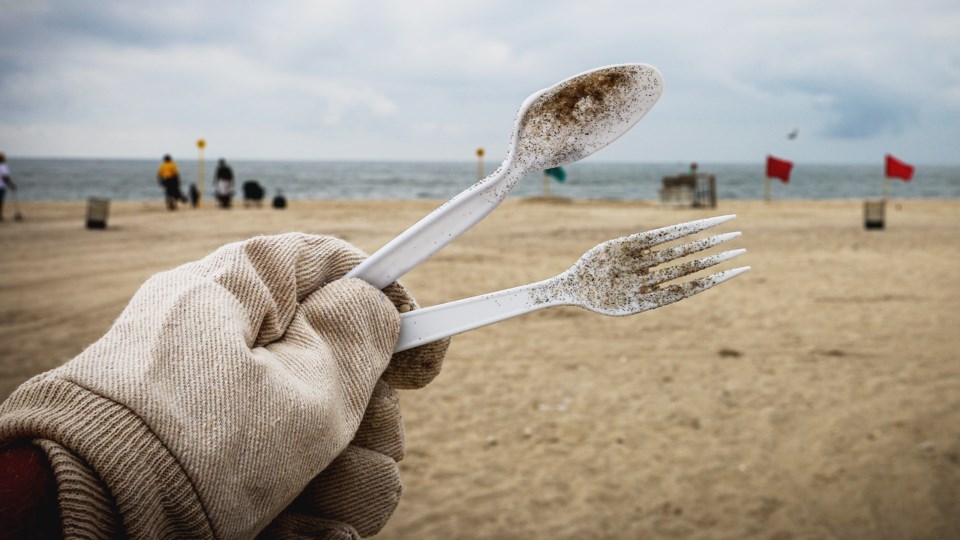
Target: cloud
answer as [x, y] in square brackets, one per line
[862, 116]
[435, 79]
[852, 106]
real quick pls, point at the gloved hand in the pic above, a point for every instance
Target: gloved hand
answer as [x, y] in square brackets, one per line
[231, 395]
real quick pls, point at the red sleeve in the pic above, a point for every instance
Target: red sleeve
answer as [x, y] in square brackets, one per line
[28, 494]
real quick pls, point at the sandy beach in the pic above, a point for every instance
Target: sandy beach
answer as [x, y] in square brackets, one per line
[816, 396]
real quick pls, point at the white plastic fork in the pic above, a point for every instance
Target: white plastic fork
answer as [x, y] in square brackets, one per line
[613, 278]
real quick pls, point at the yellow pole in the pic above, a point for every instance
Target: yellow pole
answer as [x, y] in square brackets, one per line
[479, 164]
[201, 144]
[766, 190]
[886, 187]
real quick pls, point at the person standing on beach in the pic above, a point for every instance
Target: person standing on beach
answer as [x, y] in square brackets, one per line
[5, 181]
[168, 176]
[223, 183]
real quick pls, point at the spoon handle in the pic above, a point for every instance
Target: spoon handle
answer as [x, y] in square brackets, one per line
[437, 322]
[434, 231]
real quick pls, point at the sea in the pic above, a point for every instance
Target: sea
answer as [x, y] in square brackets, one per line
[124, 179]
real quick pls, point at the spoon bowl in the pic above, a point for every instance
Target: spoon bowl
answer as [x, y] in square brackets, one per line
[561, 124]
[580, 115]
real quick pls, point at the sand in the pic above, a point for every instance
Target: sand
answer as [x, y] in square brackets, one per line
[816, 396]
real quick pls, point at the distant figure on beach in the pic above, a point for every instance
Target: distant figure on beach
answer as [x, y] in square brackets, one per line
[223, 183]
[5, 181]
[252, 193]
[168, 176]
[194, 195]
[693, 169]
[279, 201]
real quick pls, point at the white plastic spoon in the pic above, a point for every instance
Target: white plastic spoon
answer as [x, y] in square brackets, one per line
[562, 124]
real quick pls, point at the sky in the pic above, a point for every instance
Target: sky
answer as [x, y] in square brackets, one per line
[436, 79]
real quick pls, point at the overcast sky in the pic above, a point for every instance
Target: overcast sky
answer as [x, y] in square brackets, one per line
[433, 80]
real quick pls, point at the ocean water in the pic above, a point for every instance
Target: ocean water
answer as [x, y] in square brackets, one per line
[78, 179]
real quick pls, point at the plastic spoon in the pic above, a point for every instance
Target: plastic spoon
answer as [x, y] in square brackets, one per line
[561, 124]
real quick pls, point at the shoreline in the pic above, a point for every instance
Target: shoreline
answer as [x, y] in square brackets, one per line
[209, 201]
[431, 181]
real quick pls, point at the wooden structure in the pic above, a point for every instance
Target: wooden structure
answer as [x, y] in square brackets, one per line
[698, 190]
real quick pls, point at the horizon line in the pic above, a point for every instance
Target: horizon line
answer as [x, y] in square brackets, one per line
[465, 160]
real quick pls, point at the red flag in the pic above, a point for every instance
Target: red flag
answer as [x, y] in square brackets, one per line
[898, 169]
[779, 168]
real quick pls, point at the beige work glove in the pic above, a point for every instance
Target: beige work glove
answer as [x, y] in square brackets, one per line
[231, 396]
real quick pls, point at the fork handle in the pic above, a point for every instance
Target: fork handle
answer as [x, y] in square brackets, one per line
[429, 324]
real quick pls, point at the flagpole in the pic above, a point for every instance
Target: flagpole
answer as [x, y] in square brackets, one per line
[766, 190]
[886, 187]
[201, 144]
[479, 164]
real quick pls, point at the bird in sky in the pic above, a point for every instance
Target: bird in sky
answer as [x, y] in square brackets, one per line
[793, 134]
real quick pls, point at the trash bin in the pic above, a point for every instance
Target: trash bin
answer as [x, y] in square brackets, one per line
[873, 213]
[97, 210]
[677, 196]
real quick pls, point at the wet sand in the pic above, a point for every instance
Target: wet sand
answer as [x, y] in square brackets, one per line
[816, 396]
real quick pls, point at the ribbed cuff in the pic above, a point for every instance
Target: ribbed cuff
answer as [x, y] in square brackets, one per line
[111, 454]
[86, 506]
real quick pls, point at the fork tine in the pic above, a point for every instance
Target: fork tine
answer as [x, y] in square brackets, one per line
[666, 234]
[687, 268]
[675, 293]
[667, 255]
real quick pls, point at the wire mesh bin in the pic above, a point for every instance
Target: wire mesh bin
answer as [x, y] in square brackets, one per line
[97, 210]
[873, 214]
[689, 190]
[677, 196]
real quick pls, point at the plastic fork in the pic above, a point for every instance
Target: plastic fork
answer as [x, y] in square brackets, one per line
[618, 277]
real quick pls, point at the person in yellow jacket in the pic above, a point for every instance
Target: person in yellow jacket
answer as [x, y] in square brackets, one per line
[168, 176]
